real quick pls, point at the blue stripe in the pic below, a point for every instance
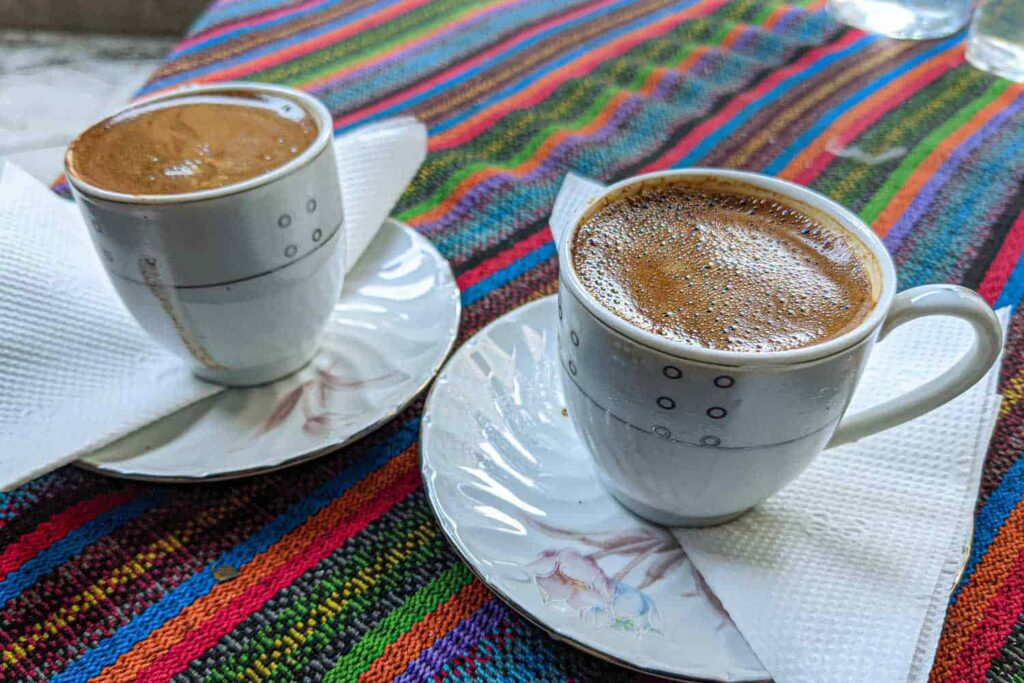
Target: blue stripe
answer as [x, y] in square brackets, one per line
[748, 111]
[268, 49]
[815, 131]
[1014, 289]
[506, 275]
[487, 65]
[141, 626]
[993, 515]
[584, 49]
[74, 543]
[216, 16]
[234, 34]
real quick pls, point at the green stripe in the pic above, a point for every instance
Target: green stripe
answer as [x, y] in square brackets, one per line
[899, 177]
[365, 44]
[421, 28]
[505, 138]
[373, 644]
[286, 629]
[525, 153]
[852, 182]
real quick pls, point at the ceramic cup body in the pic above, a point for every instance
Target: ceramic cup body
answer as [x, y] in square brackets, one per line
[239, 280]
[688, 436]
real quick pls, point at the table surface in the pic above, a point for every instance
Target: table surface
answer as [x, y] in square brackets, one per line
[336, 569]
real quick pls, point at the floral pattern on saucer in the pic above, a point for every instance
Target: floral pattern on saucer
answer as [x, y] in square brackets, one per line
[390, 331]
[576, 579]
[513, 489]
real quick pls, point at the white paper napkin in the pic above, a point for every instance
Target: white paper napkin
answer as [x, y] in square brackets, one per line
[844, 576]
[76, 371]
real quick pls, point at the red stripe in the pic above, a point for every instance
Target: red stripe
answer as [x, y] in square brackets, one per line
[456, 71]
[479, 14]
[990, 636]
[695, 136]
[251, 20]
[865, 117]
[542, 89]
[206, 634]
[503, 259]
[319, 42]
[57, 527]
[1003, 265]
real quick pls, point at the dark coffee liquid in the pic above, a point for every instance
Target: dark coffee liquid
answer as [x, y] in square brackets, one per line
[722, 270]
[191, 143]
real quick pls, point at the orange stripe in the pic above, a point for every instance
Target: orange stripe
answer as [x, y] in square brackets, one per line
[866, 113]
[927, 168]
[970, 607]
[541, 89]
[528, 165]
[733, 35]
[821, 92]
[446, 27]
[410, 645]
[349, 505]
[775, 17]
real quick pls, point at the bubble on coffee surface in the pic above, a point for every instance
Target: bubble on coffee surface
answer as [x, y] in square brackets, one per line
[193, 142]
[721, 270]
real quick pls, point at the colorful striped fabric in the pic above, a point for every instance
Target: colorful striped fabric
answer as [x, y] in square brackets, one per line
[335, 569]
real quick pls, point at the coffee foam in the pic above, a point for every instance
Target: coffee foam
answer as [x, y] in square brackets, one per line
[191, 142]
[724, 265]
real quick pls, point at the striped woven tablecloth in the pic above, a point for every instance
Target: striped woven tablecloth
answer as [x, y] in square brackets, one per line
[342, 573]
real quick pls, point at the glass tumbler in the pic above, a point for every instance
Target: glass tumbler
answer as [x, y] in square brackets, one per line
[904, 18]
[996, 40]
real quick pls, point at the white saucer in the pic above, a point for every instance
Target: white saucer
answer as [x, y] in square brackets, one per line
[513, 489]
[393, 327]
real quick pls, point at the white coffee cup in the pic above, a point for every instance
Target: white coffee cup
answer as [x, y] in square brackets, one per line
[684, 435]
[239, 280]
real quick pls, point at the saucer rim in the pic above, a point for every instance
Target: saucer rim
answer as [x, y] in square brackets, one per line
[308, 456]
[455, 542]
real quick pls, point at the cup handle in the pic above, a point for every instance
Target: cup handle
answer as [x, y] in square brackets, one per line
[972, 366]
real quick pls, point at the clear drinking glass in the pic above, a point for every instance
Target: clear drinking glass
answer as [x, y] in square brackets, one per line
[996, 40]
[904, 18]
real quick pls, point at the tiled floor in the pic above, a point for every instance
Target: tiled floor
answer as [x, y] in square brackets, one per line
[52, 85]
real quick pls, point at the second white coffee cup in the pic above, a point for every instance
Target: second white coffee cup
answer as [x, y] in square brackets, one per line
[684, 435]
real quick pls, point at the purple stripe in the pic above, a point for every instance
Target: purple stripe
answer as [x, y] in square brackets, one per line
[920, 204]
[456, 643]
[375, 67]
[672, 80]
[553, 163]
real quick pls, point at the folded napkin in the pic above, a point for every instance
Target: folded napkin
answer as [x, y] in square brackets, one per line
[76, 371]
[844, 575]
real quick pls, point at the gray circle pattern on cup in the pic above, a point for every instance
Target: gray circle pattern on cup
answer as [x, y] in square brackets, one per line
[710, 441]
[724, 381]
[311, 206]
[572, 368]
[717, 413]
[662, 431]
[666, 403]
[284, 220]
[672, 372]
[317, 234]
[574, 338]
[290, 250]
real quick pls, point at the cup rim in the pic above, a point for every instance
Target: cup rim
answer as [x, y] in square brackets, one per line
[786, 189]
[325, 133]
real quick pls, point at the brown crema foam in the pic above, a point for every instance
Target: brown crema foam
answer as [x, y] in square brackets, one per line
[191, 143]
[711, 266]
